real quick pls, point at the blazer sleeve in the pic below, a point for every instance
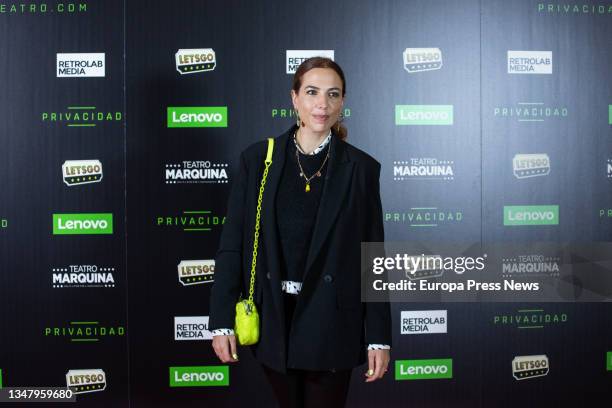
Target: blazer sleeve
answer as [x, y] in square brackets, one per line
[227, 285]
[377, 314]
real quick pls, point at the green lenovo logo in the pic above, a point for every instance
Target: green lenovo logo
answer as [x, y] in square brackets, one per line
[423, 369]
[610, 114]
[609, 361]
[203, 376]
[423, 114]
[531, 215]
[82, 223]
[197, 117]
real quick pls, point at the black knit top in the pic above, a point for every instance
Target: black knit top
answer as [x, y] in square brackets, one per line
[296, 209]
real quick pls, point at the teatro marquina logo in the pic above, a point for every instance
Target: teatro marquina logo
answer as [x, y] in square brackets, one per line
[77, 172]
[421, 115]
[83, 276]
[422, 59]
[85, 381]
[84, 331]
[530, 165]
[530, 62]
[423, 321]
[81, 116]
[517, 215]
[70, 65]
[196, 172]
[525, 367]
[530, 112]
[191, 328]
[197, 116]
[578, 9]
[531, 265]
[199, 376]
[609, 168]
[296, 57]
[82, 224]
[423, 168]
[529, 319]
[44, 9]
[192, 61]
[417, 217]
[191, 221]
[196, 272]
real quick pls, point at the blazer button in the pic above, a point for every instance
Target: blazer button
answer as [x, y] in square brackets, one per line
[268, 275]
[328, 278]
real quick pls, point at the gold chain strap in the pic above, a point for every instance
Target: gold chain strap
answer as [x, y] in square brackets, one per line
[268, 162]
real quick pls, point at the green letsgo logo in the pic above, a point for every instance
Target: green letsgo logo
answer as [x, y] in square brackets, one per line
[197, 117]
[191, 221]
[531, 215]
[83, 223]
[423, 114]
[203, 376]
[423, 369]
[608, 364]
[84, 331]
[530, 319]
[81, 116]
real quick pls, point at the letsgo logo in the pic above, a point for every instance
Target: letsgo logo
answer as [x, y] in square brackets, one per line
[530, 62]
[77, 172]
[524, 367]
[530, 165]
[196, 272]
[296, 57]
[80, 65]
[84, 381]
[423, 369]
[515, 215]
[197, 117]
[194, 61]
[423, 114]
[422, 59]
[81, 116]
[82, 224]
[203, 376]
[84, 331]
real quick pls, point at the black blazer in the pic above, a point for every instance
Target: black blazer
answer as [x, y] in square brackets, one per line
[331, 327]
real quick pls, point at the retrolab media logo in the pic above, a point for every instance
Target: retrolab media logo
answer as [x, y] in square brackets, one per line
[530, 62]
[72, 65]
[295, 57]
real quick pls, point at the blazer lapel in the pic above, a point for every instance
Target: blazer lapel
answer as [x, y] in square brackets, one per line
[268, 217]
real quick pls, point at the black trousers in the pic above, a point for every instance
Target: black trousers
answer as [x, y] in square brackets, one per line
[307, 388]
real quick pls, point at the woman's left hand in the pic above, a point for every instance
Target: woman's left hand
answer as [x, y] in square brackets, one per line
[378, 361]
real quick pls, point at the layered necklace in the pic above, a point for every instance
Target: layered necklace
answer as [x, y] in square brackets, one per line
[302, 173]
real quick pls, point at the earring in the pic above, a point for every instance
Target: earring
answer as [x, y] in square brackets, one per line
[298, 121]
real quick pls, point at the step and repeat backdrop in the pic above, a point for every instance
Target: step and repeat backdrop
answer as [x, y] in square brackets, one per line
[121, 123]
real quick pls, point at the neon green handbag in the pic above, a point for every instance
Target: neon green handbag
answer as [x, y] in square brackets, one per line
[246, 326]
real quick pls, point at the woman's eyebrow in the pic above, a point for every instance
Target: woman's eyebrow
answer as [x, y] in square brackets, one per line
[314, 87]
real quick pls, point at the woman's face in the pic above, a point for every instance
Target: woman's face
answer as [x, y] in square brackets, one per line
[319, 100]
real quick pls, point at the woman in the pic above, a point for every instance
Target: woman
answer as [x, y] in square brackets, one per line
[321, 200]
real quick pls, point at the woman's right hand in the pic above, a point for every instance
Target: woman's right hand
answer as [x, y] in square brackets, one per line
[225, 348]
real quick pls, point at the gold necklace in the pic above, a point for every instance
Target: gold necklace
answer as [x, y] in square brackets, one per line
[302, 173]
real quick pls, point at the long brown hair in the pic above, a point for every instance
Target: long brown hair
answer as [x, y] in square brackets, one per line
[321, 62]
